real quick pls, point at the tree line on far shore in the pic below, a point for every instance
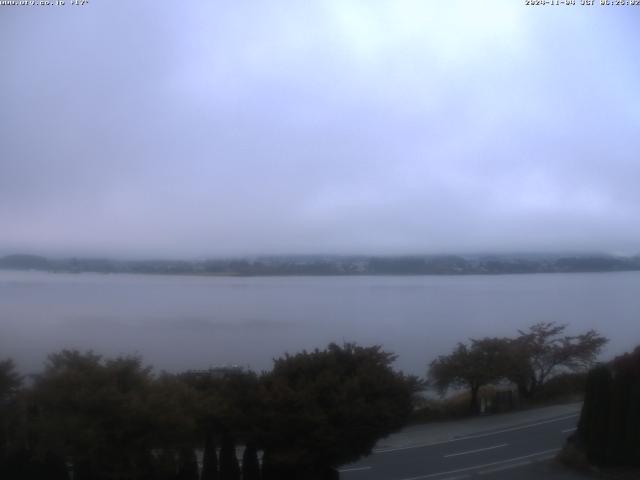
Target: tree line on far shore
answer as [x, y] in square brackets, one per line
[334, 265]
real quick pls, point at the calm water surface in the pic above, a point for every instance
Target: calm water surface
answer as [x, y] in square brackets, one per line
[179, 322]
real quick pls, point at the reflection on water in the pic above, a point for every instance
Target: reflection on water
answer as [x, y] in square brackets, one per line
[180, 322]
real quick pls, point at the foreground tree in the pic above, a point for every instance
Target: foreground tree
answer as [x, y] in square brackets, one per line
[229, 402]
[250, 463]
[166, 465]
[609, 428]
[94, 412]
[544, 350]
[173, 408]
[209, 459]
[593, 426]
[10, 382]
[473, 366]
[329, 407]
[187, 464]
[229, 468]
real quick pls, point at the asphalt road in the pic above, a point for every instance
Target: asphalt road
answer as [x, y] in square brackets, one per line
[522, 451]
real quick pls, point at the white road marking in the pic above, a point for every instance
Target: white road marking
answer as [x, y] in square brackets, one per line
[354, 469]
[476, 450]
[569, 430]
[479, 435]
[504, 467]
[485, 465]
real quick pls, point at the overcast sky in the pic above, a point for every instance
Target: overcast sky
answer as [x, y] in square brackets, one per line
[190, 129]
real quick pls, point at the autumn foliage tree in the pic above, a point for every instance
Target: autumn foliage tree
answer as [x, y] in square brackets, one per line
[528, 361]
[470, 366]
[543, 350]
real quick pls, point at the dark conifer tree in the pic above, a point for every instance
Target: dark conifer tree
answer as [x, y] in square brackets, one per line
[332, 474]
[624, 438]
[187, 464]
[616, 446]
[250, 464]
[83, 470]
[147, 466]
[166, 465]
[609, 426]
[275, 470]
[594, 421]
[229, 468]
[210, 460]
[633, 421]
[54, 467]
[267, 470]
[18, 465]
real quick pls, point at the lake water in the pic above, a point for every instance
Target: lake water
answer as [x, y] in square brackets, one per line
[181, 322]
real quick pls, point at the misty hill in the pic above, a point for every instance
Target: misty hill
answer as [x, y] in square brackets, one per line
[334, 265]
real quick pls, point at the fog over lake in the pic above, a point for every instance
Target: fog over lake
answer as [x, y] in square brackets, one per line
[181, 322]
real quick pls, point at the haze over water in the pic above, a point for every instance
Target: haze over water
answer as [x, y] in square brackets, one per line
[181, 322]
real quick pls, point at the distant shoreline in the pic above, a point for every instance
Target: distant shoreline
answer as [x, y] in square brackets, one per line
[297, 266]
